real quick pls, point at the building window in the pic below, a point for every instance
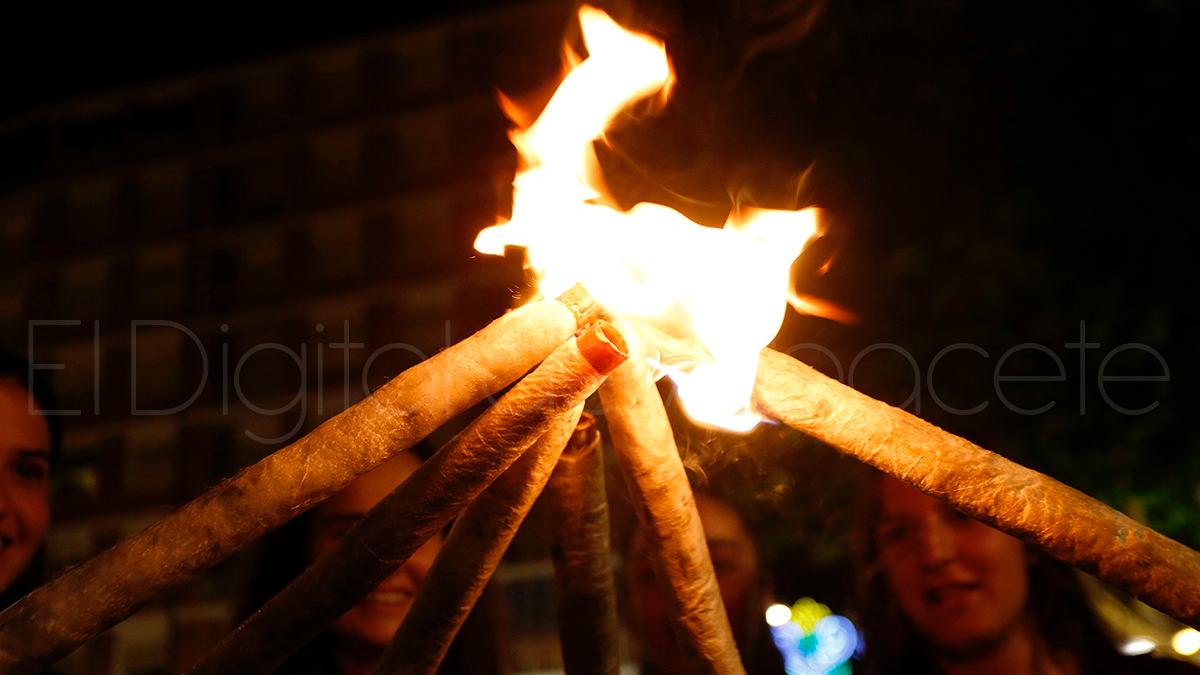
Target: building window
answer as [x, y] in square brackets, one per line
[380, 78]
[129, 213]
[380, 160]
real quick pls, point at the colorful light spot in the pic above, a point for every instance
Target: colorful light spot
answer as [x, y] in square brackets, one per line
[812, 639]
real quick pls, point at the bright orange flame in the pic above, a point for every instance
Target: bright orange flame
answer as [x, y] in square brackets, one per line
[725, 291]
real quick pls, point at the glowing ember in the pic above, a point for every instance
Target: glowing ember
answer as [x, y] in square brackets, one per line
[723, 290]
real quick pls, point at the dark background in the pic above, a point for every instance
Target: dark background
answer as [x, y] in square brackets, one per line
[991, 173]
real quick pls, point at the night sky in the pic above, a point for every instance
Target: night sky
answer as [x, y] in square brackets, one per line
[51, 55]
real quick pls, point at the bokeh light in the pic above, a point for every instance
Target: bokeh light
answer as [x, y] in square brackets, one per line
[1136, 646]
[778, 614]
[1186, 642]
[812, 639]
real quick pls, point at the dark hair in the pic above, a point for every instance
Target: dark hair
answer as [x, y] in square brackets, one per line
[281, 556]
[13, 367]
[1057, 605]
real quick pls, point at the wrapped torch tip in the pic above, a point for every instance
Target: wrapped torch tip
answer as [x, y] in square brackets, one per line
[586, 433]
[603, 346]
[587, 606]
[582, 305]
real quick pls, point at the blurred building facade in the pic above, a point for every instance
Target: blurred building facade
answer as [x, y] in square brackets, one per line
[189, 255]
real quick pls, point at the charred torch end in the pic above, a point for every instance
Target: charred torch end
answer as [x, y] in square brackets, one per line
[603, 346]
[581, 303]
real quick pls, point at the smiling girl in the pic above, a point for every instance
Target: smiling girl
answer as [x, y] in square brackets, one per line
[28, 442]
[947, 594]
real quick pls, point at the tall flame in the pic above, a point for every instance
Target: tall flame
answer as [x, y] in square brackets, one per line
[723, 291]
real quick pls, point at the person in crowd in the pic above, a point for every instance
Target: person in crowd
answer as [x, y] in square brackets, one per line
[356, 641]
[745, 592]
[29, 445]
[943, 593]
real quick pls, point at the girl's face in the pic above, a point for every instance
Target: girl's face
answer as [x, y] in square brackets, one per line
[24, 480]
[963, 584]
[372, 622]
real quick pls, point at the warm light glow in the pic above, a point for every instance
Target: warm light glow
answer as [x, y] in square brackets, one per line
[1137, 645]
[777, 615]
[723, 292]
[1186, 642]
